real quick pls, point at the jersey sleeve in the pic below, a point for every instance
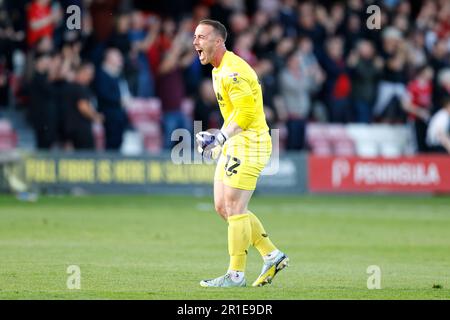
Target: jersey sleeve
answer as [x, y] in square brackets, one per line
[241, 97]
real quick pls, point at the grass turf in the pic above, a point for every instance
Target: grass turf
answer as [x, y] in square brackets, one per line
[159, 247]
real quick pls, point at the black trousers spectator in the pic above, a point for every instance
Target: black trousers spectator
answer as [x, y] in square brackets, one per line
[437, 149]
[82, 139]
[43, 111]
[420, 130]
[340, 110]
[116, 122]
[46, 132]
[296, 134]
[78, 127]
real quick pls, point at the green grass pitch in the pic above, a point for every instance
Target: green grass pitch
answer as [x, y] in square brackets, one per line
[160, 247]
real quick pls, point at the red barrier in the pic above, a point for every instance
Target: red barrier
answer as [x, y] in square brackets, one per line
[405, 174]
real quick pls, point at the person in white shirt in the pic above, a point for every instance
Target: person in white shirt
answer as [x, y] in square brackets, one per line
[438, 134]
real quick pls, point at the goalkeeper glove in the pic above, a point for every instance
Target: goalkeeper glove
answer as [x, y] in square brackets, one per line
[210, 153]
[209, 145]
[205, 139]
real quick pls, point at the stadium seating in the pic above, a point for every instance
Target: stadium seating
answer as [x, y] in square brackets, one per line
[365, 143]
[322, 139]
[342, 144]
[328, 139]
[151, 135]
[8, 137]
[360, 140]
[145, 117]
[144, 110]
[318, 140]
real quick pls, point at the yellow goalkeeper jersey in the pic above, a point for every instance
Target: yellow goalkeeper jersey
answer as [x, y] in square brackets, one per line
[239, 94]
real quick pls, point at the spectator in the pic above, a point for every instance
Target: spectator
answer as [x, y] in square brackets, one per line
[111, 90]
[140, 41]
[41, 20]
[243, 48]
[335, 22]
[288, 17]
[353, 33]
[162, 44]
[80, 112]
[43, 46]
[159, 60]
[259, 22]
[239, 23]
[103, 13]
[418, 103]
[337, 85]
[200, 12]
[206, 109]
[310, 24]
[193, 73]
[443, 21]
[268, 39]
[43, 113]
[440, 61]
[364, 70]
[60, 31]
[222, 10]
[392, 84]
[270, 7]
[310, 68]
[3, 83]
[170, 82]
[269, 75]
[269, 83]
[438, 134]
[282, 50]
[417, 55]
[295, 89]
[426, 16]
[120, 38]
[443, 82]
[64, 74]
[401, 22]
[9, 41]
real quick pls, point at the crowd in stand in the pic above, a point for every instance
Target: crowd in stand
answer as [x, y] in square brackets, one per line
[318, 61]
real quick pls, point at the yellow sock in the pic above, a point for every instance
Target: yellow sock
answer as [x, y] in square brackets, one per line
[239, 233]
[259, 239]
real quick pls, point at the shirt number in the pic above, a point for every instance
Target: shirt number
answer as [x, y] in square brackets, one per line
[231, 165]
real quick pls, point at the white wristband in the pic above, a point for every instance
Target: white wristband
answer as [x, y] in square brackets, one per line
[222, 137]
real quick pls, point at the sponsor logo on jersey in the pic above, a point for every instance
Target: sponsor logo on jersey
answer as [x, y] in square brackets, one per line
[234, 76]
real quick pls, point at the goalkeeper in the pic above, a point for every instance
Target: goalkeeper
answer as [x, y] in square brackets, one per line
[243, 147]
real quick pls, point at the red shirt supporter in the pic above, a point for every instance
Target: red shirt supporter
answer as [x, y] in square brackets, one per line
[40, 21]
[342, 86]
[420, 92]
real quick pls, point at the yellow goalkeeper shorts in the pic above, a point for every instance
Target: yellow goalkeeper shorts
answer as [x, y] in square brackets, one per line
[243, 158]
